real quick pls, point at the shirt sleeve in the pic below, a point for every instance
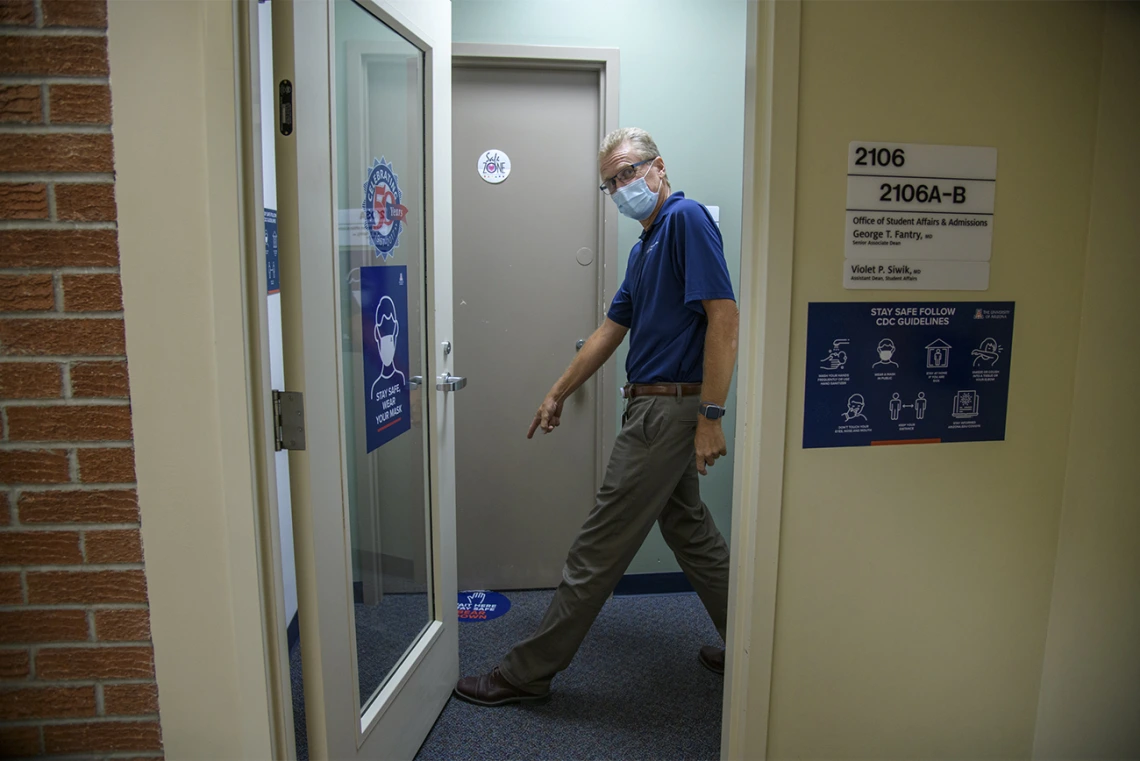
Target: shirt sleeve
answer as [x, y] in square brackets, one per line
[621, 308]
[701, 260]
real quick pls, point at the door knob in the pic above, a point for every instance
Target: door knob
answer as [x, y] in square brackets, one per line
[578, 346]
[449, 382]
[415, 382]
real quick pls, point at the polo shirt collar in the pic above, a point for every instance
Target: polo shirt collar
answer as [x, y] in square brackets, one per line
[665, 208]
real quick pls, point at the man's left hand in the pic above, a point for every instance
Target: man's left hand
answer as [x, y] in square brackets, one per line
[710, 444]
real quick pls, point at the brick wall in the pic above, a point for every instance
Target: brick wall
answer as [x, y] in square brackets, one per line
[76, 663]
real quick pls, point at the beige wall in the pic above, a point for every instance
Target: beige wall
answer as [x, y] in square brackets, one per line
[1090, 688]
[180, 234]
[915, 582]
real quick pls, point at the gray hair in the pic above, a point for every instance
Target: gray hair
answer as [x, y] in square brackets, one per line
[639, 140]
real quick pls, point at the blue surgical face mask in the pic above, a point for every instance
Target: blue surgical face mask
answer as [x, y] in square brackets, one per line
[636, 200]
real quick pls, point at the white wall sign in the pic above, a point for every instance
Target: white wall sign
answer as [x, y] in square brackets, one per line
[919, 217]
[494, 166]
[714, 211]
[352, 230]
[915, 275]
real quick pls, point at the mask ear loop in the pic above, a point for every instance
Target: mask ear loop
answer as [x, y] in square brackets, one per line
[660, 177]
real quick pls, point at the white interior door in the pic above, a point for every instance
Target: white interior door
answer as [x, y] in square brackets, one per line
[364, 198]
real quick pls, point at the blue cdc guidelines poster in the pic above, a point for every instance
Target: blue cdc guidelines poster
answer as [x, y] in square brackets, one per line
[907, 373]
[384, 314]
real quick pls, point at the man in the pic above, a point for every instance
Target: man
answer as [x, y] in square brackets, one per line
[678, 305]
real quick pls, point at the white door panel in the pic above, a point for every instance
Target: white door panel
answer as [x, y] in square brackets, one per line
[365, 253]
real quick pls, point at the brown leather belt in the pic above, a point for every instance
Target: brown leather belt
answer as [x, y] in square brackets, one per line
[634, 390]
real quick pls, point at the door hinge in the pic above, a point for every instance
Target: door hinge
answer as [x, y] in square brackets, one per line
[288, 420]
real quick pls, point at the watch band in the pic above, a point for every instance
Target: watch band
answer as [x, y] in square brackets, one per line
[707, 407]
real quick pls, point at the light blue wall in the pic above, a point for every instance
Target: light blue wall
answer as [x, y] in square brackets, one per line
[682, 79]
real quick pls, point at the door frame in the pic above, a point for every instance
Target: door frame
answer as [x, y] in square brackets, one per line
[605, 62]
[259, 384]
[771, 123]
[231, 627]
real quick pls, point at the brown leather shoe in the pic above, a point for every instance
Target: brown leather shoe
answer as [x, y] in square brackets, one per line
[494, 690]
[712, 658]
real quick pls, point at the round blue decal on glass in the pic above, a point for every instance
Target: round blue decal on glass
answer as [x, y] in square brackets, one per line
[481, 605]
[383, 212]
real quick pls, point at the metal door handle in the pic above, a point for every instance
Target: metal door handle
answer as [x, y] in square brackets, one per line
[578, 346]
[415, 382]
[449, 382]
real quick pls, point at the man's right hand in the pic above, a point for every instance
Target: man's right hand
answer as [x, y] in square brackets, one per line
[547, 418]
[590, 357]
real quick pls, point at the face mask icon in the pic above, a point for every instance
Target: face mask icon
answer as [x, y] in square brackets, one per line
[886, 351]
[387, 349]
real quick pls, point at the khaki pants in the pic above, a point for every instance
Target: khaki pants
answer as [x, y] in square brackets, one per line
[652, 476]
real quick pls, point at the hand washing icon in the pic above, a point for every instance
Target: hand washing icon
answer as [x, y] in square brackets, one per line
[836, 359]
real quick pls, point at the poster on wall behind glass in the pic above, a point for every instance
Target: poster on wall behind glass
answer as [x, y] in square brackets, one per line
[384, 314]
[272, 265]
[907, 373]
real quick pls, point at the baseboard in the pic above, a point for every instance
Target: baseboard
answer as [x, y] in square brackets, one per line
[293, 631]
[405, 568]
[653, 584]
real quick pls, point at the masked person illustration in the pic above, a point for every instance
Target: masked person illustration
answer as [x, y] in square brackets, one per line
[855, 407]
[989, 352]
[886, 353]
[386, 332]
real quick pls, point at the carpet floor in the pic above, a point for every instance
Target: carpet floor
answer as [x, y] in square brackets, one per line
[635, 690]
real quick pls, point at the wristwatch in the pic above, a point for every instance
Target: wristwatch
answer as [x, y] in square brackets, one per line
[712, 411]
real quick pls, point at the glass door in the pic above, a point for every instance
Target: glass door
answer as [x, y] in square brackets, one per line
[362, 238]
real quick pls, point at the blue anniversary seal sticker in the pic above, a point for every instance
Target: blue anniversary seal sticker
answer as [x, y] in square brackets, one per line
[383, 213]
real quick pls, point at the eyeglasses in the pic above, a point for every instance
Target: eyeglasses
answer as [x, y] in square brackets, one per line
[623, 177]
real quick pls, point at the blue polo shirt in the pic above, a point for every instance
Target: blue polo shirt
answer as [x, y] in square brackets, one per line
[677, 264]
